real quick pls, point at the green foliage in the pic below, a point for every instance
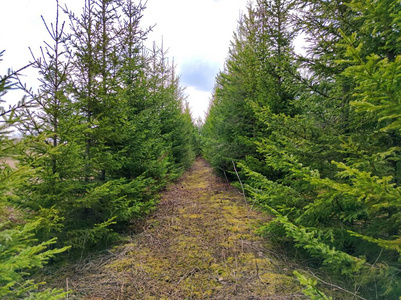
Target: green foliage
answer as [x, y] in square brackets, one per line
[311, 291]
[378, 80]
[20, 252]
[18, 256]
[327, 163]
[108, 129]
[255, 77]
[315, 242]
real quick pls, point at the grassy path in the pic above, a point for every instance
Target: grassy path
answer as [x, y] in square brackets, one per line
[198, 245]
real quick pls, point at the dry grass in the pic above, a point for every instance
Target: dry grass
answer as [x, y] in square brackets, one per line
[198, 245]
[11, 162]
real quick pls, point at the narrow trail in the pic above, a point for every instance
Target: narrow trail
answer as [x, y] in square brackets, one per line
[199, 244]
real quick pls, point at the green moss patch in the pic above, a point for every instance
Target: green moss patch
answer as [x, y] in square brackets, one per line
[199, 244]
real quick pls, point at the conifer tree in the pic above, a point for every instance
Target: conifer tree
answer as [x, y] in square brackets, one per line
[230, 115]
[257, 76]
[327, 165]
[88, 68]
[177, 126]
[54, 149]
[73, 146]
[107, 131]
[20, 252]
[335, 215]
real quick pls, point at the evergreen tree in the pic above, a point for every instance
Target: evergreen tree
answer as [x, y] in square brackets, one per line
[333, 215]
[20, 252]
[257, 76]
[230, 116]
[108, 129]
[90, 45]
[54, 150]
[326, 164]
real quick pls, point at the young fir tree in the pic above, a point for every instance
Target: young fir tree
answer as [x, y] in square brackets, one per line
[74, 150]
[230, 116]
[54, 150]
[20, 252]
[347, 218]
[100, 68]
[56, 194]
[92, 46]
[343, 109]
[175, 131]
[108, 129]
[139, 134]
[257, 76]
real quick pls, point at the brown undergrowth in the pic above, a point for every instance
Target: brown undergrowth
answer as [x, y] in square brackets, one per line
[199, 244]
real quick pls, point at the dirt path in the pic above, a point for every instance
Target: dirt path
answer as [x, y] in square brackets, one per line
[198, 245]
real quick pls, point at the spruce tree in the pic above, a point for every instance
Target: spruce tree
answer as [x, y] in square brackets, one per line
[257, 77]
[335, 215]
[51, 126]
[326, 164]
[108, 129]
[20, 252]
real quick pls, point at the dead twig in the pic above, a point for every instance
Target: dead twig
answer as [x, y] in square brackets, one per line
[337, 287]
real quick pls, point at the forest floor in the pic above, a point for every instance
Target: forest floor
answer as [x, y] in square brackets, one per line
[199, 244]
[11, 162]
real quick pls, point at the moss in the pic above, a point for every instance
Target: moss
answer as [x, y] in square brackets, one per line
[193, 216]
[200, 244]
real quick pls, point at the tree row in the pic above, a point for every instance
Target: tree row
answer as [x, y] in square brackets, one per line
[106, 130]
[315, 135]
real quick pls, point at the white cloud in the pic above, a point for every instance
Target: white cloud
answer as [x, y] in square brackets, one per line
[22, 28]
[194, 27]
[199, 102]
[191, 29]
[195, 30]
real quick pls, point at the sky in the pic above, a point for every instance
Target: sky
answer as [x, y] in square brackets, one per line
[197, 34]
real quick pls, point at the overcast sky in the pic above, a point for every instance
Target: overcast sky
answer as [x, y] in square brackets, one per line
[197, 34]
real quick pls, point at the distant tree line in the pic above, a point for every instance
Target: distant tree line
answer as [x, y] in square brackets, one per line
[107, 129]
[316, 136]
